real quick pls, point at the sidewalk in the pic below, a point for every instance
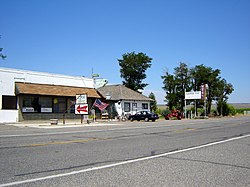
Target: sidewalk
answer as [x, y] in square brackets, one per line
[68, 123]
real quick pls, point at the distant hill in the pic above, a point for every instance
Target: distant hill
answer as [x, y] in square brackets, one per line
[240, 105]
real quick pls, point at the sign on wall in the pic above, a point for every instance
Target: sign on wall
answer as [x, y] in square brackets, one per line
[193, 95]
[46, 110]
[28, 109]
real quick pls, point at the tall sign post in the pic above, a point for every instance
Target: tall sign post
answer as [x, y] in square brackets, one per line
[81, 106]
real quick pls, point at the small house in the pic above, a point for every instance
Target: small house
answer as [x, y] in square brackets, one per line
[123, 100]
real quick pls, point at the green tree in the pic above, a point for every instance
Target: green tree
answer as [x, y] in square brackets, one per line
[170, 84]
[221, 93]
[133, 68]
[153, 104]
[175, 86]
[205, 75]
[183, 82]
[192, 79]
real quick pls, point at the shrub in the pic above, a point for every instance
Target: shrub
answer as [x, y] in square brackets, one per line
[165, 112]
[226, 109]
[231, 110]
[241, 110]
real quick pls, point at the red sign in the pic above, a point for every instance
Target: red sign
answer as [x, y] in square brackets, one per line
[81, 109]
[203, 91]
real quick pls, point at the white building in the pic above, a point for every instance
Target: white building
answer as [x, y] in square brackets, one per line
[26, 95]
[123, 100]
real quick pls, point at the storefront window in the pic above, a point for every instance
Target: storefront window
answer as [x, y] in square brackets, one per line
[31, 104]
[46, 104]
[71, 105]
[59, 105]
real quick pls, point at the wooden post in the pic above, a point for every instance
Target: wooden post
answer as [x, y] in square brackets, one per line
[81, 118]
[64, 118]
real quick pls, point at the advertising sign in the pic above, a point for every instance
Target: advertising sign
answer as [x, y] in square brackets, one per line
[81, 99]
[81, 109]
[46, 110]
[203, 91]
[28, 109]
[193, 95]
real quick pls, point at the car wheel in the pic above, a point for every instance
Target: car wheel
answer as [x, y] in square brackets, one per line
[153, 120]
[131, 119]
[146, 119]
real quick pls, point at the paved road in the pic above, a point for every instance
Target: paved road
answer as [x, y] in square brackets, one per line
[165, 153]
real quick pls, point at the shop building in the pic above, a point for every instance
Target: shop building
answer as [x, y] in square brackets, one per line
[28, 95]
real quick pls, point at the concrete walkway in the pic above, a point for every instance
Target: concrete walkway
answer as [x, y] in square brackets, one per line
[68, 123]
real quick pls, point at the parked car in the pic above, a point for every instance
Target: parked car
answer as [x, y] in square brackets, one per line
[175, 114]
[143, 115]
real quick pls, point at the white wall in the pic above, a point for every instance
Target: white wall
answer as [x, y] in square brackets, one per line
[8, 116]
[8, 77]
[120, 107]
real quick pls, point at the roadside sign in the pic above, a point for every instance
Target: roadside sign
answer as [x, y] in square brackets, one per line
[81, 99]
[81, 109]
[203, 91]
[193, 95]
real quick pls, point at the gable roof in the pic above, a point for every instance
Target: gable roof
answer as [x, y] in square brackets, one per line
[121, 92]
[54, 90]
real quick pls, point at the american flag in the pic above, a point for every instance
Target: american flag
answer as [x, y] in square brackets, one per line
[100, 104]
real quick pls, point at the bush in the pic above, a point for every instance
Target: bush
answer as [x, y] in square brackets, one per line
[158, 111]
[241, 110]
[165, 112]
[231, 110]
[226, 109]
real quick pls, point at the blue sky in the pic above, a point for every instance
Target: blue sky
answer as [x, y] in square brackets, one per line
[73, 36]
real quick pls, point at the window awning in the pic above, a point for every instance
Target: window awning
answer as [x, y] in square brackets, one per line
[54, 90]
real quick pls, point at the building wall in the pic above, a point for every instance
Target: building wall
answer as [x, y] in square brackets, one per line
[120, 107]
[8, 77]
[8, 116]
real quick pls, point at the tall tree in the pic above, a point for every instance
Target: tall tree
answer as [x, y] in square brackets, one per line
[153, 104]
[205, 75]
[183, 81]
[170, 84]
[221, 93]
[175, 86]
[133, 68]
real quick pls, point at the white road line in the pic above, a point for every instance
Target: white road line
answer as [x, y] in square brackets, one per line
[120, 163]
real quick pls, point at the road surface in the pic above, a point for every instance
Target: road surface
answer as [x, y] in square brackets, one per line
[212, 152]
